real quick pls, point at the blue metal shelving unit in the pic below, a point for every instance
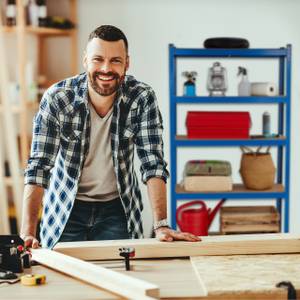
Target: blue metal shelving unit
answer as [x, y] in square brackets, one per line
[281, 191]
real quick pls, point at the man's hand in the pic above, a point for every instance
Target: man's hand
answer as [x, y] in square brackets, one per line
[30, 241]
[166, 234]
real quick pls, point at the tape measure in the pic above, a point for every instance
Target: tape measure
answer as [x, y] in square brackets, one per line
[31, 279]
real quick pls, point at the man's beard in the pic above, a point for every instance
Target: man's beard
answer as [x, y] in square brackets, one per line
[105, 89]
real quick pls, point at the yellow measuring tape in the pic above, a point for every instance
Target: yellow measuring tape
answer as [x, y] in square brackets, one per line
[31, 279]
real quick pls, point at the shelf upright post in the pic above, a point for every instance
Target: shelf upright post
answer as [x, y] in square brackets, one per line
[288, 137]
[22, 53]
[281, 90]
[173, 131]
[74, 48]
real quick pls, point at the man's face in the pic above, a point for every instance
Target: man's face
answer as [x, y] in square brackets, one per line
[106, 64]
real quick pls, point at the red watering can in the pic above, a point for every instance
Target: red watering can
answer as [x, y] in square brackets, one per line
[196, 220]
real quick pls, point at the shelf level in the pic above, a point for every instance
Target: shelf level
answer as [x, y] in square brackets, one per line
[228, 100]
[255, 53]
[239, 192]
[46, 31]
[184, 141]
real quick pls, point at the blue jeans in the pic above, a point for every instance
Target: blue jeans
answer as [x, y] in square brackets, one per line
[91, 221]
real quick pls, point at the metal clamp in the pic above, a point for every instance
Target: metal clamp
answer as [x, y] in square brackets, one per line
[127, 253]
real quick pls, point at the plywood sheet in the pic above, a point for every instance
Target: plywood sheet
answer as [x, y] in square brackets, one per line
[175, 278]
[247, 273]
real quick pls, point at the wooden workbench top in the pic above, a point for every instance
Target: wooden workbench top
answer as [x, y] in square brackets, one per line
[225, 277]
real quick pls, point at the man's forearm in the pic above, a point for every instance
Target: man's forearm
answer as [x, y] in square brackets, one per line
[158, 196]
[32, 200]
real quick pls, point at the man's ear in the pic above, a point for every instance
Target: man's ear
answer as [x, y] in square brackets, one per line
[127, 62]
[84, 60]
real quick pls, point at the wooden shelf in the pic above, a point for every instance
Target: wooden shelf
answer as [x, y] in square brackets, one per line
[45, 31]
[239, 190]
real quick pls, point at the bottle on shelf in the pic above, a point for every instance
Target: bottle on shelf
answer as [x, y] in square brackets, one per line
[244, 87]
[266, 124]
[33, 10]
[11, 13]
[189, 87]
[42, 13]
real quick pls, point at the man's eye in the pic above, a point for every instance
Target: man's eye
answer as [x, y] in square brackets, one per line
[117, 61]
[97, 59]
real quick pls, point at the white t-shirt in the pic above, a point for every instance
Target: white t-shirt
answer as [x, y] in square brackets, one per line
[98, 181]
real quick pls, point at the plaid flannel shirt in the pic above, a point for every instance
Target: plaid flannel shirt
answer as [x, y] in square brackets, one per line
[61, 142]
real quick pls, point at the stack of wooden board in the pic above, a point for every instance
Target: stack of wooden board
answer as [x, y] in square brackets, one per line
[207, 175]
[249, 219]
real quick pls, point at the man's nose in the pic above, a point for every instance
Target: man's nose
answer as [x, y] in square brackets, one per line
[106, 67]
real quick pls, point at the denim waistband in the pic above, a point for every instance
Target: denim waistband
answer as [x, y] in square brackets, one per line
[96, 203]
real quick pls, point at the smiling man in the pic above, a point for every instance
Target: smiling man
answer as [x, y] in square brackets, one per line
[81, 163]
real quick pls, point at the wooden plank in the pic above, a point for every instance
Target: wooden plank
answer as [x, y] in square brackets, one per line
[174, 277]
[74, 38]
[58, 287]
[120, 284]
[242, 274]
[22, 57]
[248, 228]
[4, 217]
[238, 188]
[210, 245]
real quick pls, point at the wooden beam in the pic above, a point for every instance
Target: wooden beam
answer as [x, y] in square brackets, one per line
[4, 218]
[22, 57]
[74, 38]
[117, 283]
[210, 245]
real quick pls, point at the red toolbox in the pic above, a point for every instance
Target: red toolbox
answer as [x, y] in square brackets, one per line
[218, 124]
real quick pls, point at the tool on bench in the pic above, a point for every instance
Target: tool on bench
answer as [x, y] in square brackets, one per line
[127, 253]
[33, 279]
[292, 294]
[14, 256]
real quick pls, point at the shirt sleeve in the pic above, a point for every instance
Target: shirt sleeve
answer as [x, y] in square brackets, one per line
[149, 140]
[45, 143]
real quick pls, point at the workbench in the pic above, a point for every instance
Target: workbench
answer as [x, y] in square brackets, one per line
[224, 276]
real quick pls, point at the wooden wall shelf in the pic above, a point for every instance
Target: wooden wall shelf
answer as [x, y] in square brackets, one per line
[39, 30]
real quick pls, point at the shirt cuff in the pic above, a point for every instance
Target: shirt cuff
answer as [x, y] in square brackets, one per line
[37, 177]
[158, 173]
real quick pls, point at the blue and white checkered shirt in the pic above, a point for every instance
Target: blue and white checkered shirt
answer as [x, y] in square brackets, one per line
[61, 142]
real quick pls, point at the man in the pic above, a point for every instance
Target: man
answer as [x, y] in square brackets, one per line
[81, 161]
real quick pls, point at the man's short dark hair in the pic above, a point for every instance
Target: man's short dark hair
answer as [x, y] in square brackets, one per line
[109, 33]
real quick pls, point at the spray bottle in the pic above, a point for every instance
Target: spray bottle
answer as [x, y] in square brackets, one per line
[244, 87]
[189, 87]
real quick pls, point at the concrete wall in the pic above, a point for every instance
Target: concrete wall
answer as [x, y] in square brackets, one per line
[151, 25]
